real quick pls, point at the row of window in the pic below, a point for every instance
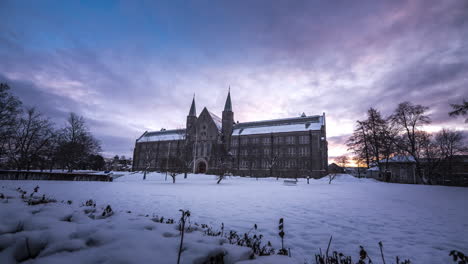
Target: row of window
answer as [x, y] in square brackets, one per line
[203, 149]
[305, 139]
[267, 164]
[243, 164]
[161, 145]
[301, 151]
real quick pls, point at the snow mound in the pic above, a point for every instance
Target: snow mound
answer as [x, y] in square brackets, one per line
[346, 178]
[66, 233]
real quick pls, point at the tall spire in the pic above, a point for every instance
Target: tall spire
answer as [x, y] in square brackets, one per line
[193, 111]
[228, 105]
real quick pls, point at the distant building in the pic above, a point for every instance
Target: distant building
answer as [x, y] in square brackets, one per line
[355, 171]
[289, 147]
[334, 168]
[118, 163]
[402, 169]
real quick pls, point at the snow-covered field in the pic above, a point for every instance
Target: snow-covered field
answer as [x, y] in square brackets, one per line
[419, 222]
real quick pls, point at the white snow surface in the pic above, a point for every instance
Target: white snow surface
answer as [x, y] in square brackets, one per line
[419, 222]
[162, 137]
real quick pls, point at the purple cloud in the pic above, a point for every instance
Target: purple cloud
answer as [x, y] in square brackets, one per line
[131, 67]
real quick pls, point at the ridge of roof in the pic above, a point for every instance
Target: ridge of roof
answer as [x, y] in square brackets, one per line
[284, 125]
[170, 131]
[281, 121]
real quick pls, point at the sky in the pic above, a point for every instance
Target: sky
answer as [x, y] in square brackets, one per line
[132, 66]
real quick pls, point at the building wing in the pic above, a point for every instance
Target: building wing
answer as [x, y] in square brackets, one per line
[163, 135]
[298, 124]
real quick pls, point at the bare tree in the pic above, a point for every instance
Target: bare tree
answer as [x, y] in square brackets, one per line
[360, 163]
[460, 109]
[388, 141]
[331, 177]
[176, 167]
[431, 154]
[374, 139]
[186, 152]
[375, 126]
[250, 157]
[409, 119]
[225, 164]
[272, 155]
[342, 162]
[31, 136]
[450, 143]
[359, 143]
[76, 143]
[10, 110]
[48, 155]
[148, 158]
[272, 161]
[173, 175]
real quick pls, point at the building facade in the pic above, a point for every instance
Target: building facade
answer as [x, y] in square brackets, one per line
[452, 171]
[290, 147]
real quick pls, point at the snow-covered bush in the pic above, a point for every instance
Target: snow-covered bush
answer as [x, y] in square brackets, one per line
[339, 258]
[90, 202]
[459, 257]
[251, 240]
[34, 200]
[107, 212]
[161, 220]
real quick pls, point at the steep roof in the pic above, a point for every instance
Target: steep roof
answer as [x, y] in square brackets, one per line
[165, 135]
[217, 120]
[399, 158]
[228, 105]
[296, 124]
[193, 110]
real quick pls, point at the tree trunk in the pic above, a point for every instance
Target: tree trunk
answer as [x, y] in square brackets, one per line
[419, 173]
[331, 177]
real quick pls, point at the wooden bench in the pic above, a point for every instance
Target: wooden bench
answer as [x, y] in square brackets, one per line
[290, 182]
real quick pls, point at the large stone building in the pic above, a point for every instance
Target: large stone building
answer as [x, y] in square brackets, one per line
[289, 147]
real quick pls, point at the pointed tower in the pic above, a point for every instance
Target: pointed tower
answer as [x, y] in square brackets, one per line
[227, 121]
[191, 121]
